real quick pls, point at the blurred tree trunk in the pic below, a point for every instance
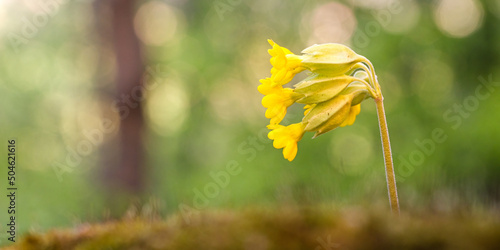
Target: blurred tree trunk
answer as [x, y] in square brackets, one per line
[115, 21]
[129, 174]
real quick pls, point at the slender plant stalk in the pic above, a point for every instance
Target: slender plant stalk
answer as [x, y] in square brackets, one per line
[389, 167]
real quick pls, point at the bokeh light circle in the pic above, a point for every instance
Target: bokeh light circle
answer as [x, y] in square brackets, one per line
[350, 153]
[402, 21]
[458, 18]
[155, 23]
[330, 23]
[433, 82]
[167, 107]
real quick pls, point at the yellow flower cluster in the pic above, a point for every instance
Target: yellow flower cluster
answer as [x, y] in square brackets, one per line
[339, 81]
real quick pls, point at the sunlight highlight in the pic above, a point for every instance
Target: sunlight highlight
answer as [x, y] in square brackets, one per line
[155, 23]
[458, 18]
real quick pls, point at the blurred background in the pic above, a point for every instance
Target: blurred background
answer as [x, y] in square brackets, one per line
[124, 103]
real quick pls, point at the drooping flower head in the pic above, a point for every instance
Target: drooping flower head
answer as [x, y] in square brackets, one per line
[339, 81]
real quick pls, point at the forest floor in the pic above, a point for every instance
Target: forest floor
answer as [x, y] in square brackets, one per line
[283, 228]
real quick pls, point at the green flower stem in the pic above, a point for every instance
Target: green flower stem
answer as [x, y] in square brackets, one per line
[373, 75]
[389, 167]
[370, 72]
[369, 87]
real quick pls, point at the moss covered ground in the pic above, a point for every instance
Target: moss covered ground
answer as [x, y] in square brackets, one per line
[283, 228]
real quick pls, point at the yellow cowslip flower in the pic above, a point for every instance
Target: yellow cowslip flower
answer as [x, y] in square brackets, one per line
[277, 99]
[339, 81]
[277, 104]
[287, 138]
[285, 64]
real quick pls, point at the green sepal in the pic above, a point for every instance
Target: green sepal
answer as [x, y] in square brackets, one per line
[321, 89]
[334, 121]
[330, 59]
[358, 92]
[324, 111]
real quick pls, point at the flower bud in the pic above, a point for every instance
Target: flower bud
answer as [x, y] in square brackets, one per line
[329, 59]
[336, 108]
[319, 89]
[358, 91]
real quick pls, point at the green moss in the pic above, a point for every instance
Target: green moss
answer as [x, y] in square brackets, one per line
[283, 228]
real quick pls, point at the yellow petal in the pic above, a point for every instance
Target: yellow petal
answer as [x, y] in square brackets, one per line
[273, 127]
[273, 112]
[287, 138]
[278, 117]
[308, 108]
[271, 100]
[352, 115]
[280, 142]
[279, 76]
[290, 151]
[271, 42]
[266, 87]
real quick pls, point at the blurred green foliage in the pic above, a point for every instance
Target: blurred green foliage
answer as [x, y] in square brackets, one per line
[205, 111]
